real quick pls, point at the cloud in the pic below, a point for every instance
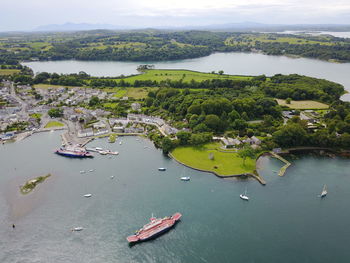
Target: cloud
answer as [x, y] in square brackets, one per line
[160, 12]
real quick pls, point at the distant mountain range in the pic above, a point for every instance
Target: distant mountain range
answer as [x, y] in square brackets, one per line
[244, 26]
[77, 27]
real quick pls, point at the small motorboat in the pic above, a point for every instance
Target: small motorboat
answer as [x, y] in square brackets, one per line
[112, 176]
[103, 152]
[82, 172]
[98, 148]
[88, 195]
[244, 196]
[79, 228]
[185, 178]
[120, 143]
[161, 169]
[91, 170]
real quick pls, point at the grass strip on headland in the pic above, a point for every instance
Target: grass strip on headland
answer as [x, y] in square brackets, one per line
[208, 158]
[184, 75]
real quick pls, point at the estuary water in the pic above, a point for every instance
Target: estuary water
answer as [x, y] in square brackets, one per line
[284, 221]
[230, 63]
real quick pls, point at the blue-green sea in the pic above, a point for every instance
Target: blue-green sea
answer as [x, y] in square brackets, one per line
[284, 221]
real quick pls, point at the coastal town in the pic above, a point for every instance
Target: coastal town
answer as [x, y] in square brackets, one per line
[22, 113]
[25, 109]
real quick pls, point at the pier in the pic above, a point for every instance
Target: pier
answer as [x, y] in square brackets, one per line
[284, 168]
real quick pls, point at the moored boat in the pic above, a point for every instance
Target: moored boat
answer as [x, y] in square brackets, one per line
[244, 196]
[185, 178]
[75, 152]
[154, 228]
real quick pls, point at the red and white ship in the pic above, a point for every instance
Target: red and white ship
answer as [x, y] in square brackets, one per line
[156, 227]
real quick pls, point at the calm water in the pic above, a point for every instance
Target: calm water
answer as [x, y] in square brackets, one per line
[284, 221]
[230, 63]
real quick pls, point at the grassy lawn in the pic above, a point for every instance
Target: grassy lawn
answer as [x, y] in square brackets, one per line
[226, 163]
[9, 71]
[52, 124]
[185, 75]
[110, 105]
[303, 104]
[136, 93]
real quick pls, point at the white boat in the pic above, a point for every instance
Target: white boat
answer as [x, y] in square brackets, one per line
[103, 152]
[112, 176]
[185, 178]
[79, 228]
[91, 170]
[244, 196]
[82, 172]
[324, 191]
[161, 169]
[111, 152]
[88, 195]
[120, 143]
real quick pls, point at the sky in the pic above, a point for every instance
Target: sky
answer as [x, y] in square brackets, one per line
[29, 14]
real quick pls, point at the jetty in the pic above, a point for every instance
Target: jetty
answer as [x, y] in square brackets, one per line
[284, 168]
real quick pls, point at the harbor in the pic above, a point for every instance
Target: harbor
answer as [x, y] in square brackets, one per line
[211, 208]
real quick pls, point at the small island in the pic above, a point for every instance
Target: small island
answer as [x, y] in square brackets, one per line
[31, 184]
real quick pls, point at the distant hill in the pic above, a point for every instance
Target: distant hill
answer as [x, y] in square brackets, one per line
[244, 26]
[76, 27]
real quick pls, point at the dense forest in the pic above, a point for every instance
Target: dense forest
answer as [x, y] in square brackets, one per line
[156, 45]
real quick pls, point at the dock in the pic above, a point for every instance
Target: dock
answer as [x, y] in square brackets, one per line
[284, 168]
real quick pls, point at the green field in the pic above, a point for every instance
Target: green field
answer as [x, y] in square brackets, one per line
[266, 38]
[303, 104]
[9, 71]
[136, 93]
[227, 163]
[52, 124]
[186, 76]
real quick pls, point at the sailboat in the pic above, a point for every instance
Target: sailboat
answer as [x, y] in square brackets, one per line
[324, 191]
[244, 196]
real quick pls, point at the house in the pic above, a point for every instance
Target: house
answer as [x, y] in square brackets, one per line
[85, 133]
[136, 106]
[101, 132]
[100, 125]
[119, 129]
[230, 142]
[255, 140]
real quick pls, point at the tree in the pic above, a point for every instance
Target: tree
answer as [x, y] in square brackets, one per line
[94, 101]
[213, 122]
[184, 137]
[292, 134]
[288, 100]
[221, 72]
[167, 145]
[55, 112]
[246, 152]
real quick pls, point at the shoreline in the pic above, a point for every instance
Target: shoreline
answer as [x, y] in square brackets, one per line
[254, 175]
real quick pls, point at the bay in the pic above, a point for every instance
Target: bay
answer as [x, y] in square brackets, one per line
[284, 221]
